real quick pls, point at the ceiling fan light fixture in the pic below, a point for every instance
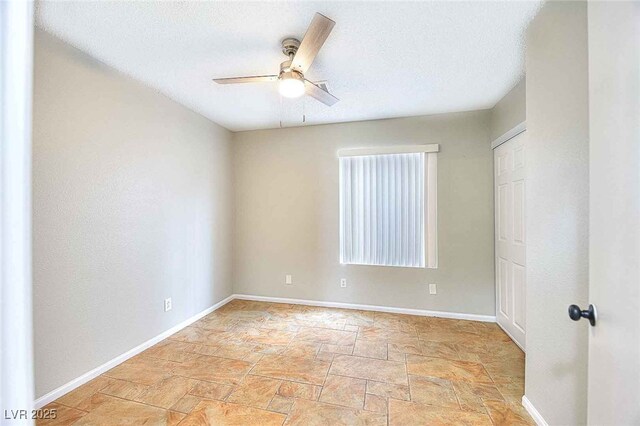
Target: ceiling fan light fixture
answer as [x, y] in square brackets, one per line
[291, 84]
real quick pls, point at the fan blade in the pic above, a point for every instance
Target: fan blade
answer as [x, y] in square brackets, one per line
[252, 79]
[312, 41]
[319, 93]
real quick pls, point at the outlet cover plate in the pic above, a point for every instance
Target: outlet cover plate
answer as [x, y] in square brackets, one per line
[433, 289]
[288, 280]
[167, 305]
[343, 282]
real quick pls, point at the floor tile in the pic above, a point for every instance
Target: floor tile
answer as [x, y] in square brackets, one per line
[214, 369]
[512, 392]
[439, 350]
[193, 335]
[505, 414]
[359, 319]
[229, 350]
[93, 402]
[471, 395]
[124, 389]
[369, 368]
[447, 335]
[75, 397]
[117, 411]
[325, 356]
[227, 414]
[402, 413]
[270, 349]
[396, 322]
[375, 403]
[281, 324]
[325, 335]
[433, 391]
[311, 413]
[345, 391]
[302, 349]
[447, 369]
[143, 370]
[507, 370]
[217, 323]
[255, 391]
[186, 404]
[172, 350]
[263, 363]
[396, 356]
[499, 351]
[270, 337]
[303, 370]
[209, 349]
[209, 390]
[64, 415]
[406, 348]
[337, 349]
[299, 390]
[370, 349]
[388, 390]
[387, 335]
[281, 404]
[166, 393]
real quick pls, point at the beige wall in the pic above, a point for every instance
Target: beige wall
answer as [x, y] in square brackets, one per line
[287, 207]
[510, 111]
[131, 204]
[557, 211]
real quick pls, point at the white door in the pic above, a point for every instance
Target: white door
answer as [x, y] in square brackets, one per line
[509, 190]
[614, 210]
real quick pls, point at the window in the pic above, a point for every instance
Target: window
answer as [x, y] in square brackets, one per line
[388, 206]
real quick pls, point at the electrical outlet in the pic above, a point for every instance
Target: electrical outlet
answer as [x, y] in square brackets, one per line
[288, 280]
[167, 305]
[343, 282]
[433, 289]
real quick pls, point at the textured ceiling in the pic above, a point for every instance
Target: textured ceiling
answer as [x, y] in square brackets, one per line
[383, 59]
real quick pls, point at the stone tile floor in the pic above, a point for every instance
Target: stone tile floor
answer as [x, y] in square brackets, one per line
[257, 363]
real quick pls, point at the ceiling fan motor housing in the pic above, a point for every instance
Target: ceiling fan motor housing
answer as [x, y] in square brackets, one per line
[290, 46]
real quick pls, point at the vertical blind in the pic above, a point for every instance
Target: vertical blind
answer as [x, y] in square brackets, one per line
[383, 210]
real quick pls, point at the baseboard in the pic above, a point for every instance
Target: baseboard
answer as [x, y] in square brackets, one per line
[535, 414]
[79, 381]
[418, 312]
[511, 337]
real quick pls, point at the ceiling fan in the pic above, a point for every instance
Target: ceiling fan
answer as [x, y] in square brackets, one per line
[292, 83]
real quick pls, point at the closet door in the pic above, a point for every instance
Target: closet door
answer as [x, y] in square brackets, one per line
[511, 273]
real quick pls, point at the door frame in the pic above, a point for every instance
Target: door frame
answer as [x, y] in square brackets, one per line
[16, 330]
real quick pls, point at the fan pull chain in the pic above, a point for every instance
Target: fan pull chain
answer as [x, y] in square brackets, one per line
[304, 115]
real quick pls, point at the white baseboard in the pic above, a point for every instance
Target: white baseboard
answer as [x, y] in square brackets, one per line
[419, 312]
[79, 381]
[535, 414]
